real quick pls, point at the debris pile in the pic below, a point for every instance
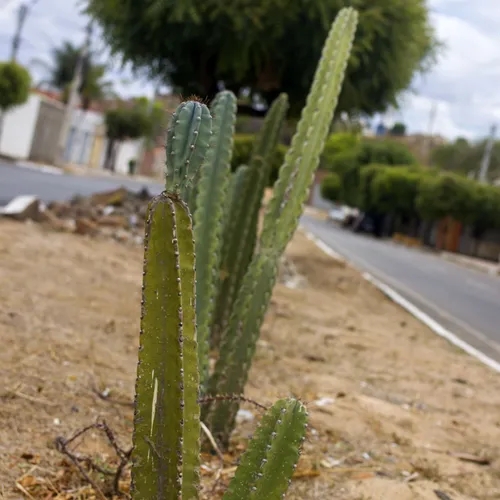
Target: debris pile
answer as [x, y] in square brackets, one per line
[119, 214]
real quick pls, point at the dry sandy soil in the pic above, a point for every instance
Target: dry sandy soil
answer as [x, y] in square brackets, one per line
[402, 414]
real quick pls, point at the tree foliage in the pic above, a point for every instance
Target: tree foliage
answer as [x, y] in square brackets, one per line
[398, 129]
[132, 122]
[61, 70]
[15, 83]
[464, 157]
[270, 46]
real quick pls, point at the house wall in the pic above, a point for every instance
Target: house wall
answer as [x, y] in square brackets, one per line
[47, 130]
[85, 127]
[19, 129]
[126, 151]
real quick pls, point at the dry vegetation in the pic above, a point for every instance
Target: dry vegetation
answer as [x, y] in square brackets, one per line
[395, 412]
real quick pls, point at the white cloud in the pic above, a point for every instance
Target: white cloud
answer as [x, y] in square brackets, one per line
[464, 85]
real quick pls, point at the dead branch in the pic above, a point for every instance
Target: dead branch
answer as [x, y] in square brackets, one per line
[230, 397]
[78, 460]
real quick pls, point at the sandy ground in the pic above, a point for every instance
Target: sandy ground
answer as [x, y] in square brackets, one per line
[395, 412]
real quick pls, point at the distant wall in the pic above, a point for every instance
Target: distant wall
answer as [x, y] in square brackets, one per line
[19, 129]
[126, 151]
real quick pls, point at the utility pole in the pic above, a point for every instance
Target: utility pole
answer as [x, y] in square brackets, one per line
[73, 98]
[22, 13]
[427, 143]
[485, 162]
[16, 41]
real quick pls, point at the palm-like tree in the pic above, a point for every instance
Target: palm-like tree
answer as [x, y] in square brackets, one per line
[60, 73]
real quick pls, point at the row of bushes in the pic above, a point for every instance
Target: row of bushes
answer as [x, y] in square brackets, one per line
[418, 192]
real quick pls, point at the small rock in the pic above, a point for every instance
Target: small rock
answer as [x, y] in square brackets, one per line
[113, 221]
[22, 208]
[244, 416]
[85, 226]
[110, 198]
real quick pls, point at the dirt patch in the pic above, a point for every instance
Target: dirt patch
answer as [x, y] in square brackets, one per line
[395, 412]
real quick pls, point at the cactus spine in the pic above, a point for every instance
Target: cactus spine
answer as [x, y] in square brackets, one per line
[240, 231]
[239, 340]
[208, 218]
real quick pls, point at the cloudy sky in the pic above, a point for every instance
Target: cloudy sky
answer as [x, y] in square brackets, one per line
[463, 88]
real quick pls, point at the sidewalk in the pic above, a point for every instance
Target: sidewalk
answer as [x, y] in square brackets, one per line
[83, 171]
[475, 263]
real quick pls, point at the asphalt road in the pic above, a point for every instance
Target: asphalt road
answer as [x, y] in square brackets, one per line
[465, 301]
[15, 181]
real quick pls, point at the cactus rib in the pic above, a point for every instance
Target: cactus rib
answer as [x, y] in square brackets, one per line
[208, 218]
[268, 464]
[166, 420]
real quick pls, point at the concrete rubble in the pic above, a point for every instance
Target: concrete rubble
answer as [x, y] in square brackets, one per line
[119, 214]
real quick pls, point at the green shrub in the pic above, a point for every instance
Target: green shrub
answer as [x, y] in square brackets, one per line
[348, 164]
[338, 143]
[15, 82]
[367, 174]
[242, 151]
[330, 187]
[385, 152]
[447, 195]
[487, 207]
[394, 190]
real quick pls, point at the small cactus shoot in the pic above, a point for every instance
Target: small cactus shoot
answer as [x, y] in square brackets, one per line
[267, 465]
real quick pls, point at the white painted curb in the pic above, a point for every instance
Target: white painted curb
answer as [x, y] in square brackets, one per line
[46, 169]
[424, 318]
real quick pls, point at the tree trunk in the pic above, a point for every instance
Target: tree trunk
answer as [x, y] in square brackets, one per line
[109, 160]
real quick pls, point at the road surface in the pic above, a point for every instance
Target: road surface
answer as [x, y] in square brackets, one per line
[15, 181]
[465, 301]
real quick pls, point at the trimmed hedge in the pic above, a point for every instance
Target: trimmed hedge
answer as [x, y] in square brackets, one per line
[349, 163]
[412, 191]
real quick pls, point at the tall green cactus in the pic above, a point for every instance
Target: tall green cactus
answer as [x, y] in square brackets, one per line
[240, 230]
[302, 158]
[208, 218]
[166, 420]
[240, 337]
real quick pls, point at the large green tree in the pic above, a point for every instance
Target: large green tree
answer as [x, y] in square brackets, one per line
[270, 46]
[61, 69]
[132, 120]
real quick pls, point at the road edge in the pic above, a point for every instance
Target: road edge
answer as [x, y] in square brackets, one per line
[408, 306]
